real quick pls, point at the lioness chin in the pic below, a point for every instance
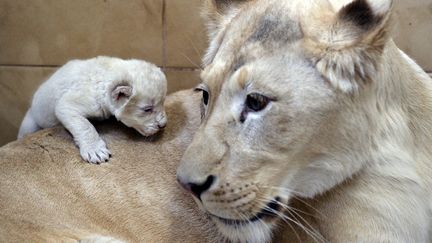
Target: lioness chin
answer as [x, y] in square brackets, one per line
[311, 99]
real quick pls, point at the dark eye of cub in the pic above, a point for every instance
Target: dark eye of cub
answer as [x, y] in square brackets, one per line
[205, 97]
[148, 109]
[256, 102]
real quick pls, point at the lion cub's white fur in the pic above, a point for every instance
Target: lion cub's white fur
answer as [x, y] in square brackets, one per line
[131, 90]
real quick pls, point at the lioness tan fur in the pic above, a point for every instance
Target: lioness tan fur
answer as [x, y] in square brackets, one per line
[311, 100]
[343, 143]
[47, 193]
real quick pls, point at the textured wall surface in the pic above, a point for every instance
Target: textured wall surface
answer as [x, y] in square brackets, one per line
[37, 36]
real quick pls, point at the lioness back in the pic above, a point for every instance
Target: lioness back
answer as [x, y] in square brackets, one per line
[48, 194]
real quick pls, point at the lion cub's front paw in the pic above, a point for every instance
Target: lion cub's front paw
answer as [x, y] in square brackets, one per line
[95, 153]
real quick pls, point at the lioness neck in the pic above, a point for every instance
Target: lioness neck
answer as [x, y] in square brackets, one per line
[405, 85]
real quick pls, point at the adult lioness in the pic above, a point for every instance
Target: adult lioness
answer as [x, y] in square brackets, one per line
[311, 99]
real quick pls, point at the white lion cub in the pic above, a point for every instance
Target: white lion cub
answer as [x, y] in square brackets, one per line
[132, 90]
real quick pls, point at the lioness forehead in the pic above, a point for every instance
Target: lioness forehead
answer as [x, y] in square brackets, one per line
[275, 27]
[259, 29]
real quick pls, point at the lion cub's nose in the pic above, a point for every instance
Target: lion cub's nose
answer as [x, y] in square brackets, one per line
[197, 188]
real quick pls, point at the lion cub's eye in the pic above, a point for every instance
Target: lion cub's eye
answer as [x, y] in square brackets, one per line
[257, 102]
[148, 109]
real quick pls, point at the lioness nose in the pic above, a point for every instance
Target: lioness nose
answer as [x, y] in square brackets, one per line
[197, 188]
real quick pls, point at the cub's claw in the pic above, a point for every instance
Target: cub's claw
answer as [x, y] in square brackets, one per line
[96, 153]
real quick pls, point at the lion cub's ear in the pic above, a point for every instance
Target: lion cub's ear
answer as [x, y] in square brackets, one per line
[121, 94]
[349, 48]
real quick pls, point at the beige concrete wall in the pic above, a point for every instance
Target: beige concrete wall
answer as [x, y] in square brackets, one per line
[37, 36]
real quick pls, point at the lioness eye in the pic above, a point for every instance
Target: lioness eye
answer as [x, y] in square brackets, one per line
[256, 102]
[205, 97]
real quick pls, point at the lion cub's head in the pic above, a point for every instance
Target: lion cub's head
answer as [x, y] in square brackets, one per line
[138, 98]
[280, 81]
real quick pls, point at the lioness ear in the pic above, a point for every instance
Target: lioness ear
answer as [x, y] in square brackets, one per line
[349, 51]
[216, 11]
[121, 94]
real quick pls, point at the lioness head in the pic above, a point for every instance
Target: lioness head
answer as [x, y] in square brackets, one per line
[139, 97]
[282, 80]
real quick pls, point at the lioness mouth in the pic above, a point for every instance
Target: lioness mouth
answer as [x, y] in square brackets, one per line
[269, 211]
